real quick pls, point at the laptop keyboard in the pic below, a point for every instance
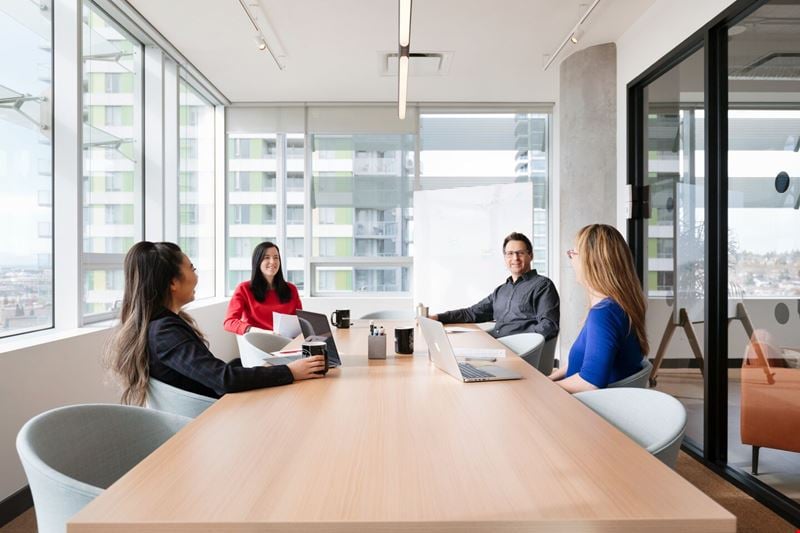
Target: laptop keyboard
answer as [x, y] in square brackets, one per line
[470, 372]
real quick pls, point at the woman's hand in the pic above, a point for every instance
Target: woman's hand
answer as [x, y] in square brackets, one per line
[307, 367]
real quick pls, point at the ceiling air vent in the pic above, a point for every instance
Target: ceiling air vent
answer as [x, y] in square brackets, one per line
[419, 64]
[779, 66]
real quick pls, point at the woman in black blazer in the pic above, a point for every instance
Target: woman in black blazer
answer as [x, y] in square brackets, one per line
[155, 338]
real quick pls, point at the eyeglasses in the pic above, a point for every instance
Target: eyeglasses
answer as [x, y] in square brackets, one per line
[512, 253]
[571, 253]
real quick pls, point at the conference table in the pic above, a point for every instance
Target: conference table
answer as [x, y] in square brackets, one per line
[398, 445]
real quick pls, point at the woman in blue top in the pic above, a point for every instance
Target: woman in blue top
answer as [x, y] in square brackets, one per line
[613, 340]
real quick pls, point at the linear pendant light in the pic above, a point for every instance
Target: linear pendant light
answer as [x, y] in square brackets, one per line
[404, 40]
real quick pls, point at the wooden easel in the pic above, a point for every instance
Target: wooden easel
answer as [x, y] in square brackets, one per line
[684, 322]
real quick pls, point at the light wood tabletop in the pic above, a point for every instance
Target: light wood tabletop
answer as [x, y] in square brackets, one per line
[398, 445]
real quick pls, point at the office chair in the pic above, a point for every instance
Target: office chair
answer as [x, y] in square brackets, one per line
[526, 345]
[71, 454]
[255, 346]
[640, 379]
[548, 356]
[163, 397]
[654, 420]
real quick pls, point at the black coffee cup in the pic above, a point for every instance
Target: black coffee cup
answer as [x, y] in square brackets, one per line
[404, 340]
[311, 348]
[341, 318]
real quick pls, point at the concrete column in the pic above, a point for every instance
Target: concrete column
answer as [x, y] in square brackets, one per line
[587, 117]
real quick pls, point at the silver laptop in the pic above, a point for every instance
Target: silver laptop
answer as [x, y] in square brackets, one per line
[444, 357]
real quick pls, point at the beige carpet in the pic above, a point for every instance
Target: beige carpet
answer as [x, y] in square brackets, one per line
[751, 516]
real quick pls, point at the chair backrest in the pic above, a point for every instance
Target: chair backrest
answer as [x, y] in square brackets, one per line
[547, 359]
[640, 379]
[71, 454]
[656, 421]
[390, 315]
[169, 399]
[526, 345]
[254, 346]
[486, 326]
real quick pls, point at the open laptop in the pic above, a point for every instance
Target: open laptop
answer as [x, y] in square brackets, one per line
[314, 327]
[444, 357]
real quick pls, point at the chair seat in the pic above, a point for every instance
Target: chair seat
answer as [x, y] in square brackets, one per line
[71, 454]
[164, 397]
[255, 346]
[526, 345]
[640, 379]
[654, 420]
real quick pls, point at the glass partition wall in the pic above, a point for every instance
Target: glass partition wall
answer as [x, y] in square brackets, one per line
[674, 232]
[764, 246]
[714, 164]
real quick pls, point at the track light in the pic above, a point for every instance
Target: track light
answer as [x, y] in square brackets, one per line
[404, 42]
[261, 42]
[573, 36]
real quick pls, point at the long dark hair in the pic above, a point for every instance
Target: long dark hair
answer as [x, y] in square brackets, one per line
[258, 283]
[149, 269]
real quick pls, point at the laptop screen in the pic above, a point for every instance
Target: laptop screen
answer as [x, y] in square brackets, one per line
[316, 325]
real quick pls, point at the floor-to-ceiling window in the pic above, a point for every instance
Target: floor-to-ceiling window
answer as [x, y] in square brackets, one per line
[112, 158]
[196, 184]
[764, 245]
[26, 177]
[361, 193]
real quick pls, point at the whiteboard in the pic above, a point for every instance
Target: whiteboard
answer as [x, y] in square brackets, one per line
[458, 240]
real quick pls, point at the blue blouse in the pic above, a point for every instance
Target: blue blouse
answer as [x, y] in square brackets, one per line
[606, 349]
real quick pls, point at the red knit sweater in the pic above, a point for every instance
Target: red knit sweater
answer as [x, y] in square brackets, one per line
[245, 311]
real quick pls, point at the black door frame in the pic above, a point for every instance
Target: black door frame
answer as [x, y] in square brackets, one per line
[713, 38]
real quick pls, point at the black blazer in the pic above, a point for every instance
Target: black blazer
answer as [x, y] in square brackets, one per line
[178, 357]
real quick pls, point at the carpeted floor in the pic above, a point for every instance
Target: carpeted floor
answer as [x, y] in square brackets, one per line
[751, 516]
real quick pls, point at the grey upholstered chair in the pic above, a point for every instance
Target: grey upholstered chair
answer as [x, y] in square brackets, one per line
[71, 454]
[486, 326]
[255, 346]
[640, 379]
[169, 399]
[654, 420]
[394, 314]
[526, 345]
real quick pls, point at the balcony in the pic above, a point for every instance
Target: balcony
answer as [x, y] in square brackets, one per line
[379, 229]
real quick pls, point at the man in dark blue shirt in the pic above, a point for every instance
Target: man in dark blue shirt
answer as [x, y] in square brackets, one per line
[525, 303]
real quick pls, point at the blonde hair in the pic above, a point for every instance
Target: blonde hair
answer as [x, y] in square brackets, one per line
[607, 266]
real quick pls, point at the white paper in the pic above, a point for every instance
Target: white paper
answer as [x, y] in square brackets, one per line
[460, 329]
[285, 325]
[479, 352]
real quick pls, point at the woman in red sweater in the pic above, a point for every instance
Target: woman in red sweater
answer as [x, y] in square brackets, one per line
[254, 301]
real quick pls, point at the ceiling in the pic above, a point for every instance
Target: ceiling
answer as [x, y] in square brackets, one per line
[333, 47]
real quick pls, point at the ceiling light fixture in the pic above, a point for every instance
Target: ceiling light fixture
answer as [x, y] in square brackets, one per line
[404, 40]
[260, 40]
[573, 36]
